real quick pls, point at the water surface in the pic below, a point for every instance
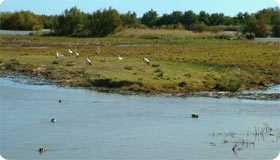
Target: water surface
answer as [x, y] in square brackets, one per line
[93, 125]
[23, 33]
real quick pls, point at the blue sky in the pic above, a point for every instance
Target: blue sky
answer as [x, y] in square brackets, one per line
[228, 7]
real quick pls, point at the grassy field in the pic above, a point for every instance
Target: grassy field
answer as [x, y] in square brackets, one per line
[179, 64]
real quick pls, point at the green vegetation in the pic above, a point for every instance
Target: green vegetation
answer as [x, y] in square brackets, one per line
[256, 26]
[199, 27]
[21, 21]
[106, 22]
[178, 64]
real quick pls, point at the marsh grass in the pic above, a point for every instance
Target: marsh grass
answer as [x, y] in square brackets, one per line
[164, 34]
[177, 66]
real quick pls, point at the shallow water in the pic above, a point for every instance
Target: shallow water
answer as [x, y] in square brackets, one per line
[93, 125]
[23, 33]
[271, 90]
[268, 39]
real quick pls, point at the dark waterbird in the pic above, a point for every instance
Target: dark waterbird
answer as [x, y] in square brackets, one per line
[43, 149]
[53, 120]
[194, 115]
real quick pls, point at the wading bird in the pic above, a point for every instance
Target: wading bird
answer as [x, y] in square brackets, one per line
[77, 54]
[104, 60]
[43, 149]
[120, 58]
[146, 61]
[97, 52]
[53, 120]
[70, 52]
[88, 61]
[57, 55]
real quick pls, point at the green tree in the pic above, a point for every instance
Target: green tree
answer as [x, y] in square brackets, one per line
[189, 18]
[204, 17]
[103, 23]
[165, 20]
[149, 18]
[130, 20]
[31, 21]
[276, 30]
[14, 22]
[71, 22]
[216, 19]
[256, 26]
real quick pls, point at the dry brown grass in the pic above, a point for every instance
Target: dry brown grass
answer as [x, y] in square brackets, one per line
[163, 33]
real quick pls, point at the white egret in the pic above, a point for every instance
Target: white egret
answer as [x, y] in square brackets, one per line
[146, 60]
[88, 61]
[77, 54]
[120, 58]
[58, 55]
[70, 52]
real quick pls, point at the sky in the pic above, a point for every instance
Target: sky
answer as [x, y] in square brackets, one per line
[52, 7]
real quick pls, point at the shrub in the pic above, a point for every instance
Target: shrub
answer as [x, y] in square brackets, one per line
[155, 65]
[216, 29]
[199, 27]
[256, 26]
[54, 62]
[182, 84]
[158, 70]
[250, 36]
[179, 26]
[223, 36]
[128, 68]
[37, 27]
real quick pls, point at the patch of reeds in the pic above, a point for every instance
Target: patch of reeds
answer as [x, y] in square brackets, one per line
[163, 33]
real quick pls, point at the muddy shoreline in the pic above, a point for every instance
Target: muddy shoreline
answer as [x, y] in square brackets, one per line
[212, 94]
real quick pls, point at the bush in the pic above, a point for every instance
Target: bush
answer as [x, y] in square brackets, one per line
[216, 29]
[128, 68]
[224, 36]
[256, 26]
[199, 27]
[250, 36]
[182, 84]
[37, 27]
[54, 62]
[155, 65]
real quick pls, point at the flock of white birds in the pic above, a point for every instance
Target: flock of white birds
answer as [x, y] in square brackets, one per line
[97, 52]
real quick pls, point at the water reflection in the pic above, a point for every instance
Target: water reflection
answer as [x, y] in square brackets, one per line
[93, 125]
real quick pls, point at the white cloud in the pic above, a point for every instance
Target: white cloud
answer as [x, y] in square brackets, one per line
[1, 1]
[278, 1]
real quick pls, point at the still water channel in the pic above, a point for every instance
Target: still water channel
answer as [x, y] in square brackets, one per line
[92, 125]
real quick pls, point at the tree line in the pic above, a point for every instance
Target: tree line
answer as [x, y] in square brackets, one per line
[74, 22]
